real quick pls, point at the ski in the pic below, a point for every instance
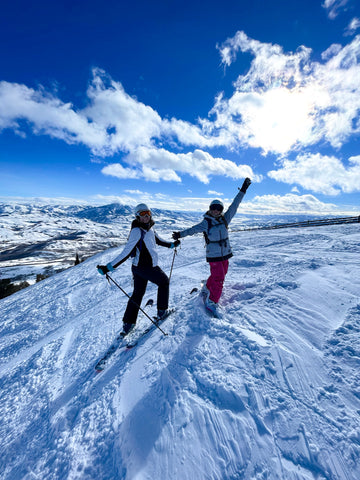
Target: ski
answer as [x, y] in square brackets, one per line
[129, 343]
[133, 343]
[150, 328]
[119, 342]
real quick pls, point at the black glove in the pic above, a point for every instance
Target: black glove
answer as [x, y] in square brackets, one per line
[176, 236]
[175, 244]
[104, 269]
[245, 185]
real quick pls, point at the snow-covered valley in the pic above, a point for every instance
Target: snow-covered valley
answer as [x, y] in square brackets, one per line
[44, 239]
[270, 391]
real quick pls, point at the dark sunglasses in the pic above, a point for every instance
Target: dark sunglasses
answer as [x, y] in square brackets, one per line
[145, 212]
[217, 206]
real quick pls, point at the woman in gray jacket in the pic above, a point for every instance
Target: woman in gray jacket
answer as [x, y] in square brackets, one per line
[218, 248]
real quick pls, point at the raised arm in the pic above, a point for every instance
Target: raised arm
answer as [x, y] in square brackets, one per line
[231, 211]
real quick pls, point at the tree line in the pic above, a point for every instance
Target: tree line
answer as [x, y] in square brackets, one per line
[7, 287]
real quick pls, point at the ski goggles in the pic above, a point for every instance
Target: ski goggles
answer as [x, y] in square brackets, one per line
[144, 213]
[217, 206]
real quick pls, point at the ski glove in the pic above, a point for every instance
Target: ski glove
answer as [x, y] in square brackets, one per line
[176, 235]
[245, 185]
[175, 244]
[104, 269]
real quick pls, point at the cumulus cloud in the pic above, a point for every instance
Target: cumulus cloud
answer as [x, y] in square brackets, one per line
[125, 121]
[115, 122]
[260, 205]
[134, 192]
[320, 173]
[289, 204]
[118, 171]
[198, 164]
[112, 122]
[47, 115]
[286, 101]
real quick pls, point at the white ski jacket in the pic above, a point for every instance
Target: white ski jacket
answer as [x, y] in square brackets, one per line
[138, 239]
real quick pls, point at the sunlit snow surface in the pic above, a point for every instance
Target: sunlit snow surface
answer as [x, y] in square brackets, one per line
[270, 391]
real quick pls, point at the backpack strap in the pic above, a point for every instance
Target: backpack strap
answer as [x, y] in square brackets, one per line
[209, 226]
[206, 234]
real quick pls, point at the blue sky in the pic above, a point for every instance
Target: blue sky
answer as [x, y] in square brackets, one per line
[175, 102]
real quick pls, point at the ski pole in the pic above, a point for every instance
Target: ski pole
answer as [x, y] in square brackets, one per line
[143, 311]
[175, 252]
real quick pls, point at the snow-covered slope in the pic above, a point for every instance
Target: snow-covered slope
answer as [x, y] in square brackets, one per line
[270, 391]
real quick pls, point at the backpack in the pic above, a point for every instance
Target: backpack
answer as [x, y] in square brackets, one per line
[206, 234]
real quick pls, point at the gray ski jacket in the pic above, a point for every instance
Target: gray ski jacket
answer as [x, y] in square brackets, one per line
[218, 246]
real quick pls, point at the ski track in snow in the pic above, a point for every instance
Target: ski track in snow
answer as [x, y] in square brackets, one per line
[269, 391]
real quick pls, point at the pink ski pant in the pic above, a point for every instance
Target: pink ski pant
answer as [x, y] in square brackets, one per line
[215, 282]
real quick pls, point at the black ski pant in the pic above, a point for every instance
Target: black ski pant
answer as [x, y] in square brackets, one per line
[142, 275]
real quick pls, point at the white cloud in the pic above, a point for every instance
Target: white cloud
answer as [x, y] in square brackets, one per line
[159, 200]
[47, 115]
[213, 192]
[134, 192]
[320, 173]
[290, 204]
[286, 101]
[145, 172]
[353, 26]
[198, 164]
[44, 201]
[118, 171]
[260, 205]
[125, 121]
[333, 7]
[265, 119]
[158, 174]
[115, 122]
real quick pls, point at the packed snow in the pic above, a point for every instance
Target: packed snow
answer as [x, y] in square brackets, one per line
[269, 391]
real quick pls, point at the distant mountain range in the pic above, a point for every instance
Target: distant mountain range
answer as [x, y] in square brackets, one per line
[46, 238]
[37, 238]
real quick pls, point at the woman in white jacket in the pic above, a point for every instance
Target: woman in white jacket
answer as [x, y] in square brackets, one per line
[141, 245]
